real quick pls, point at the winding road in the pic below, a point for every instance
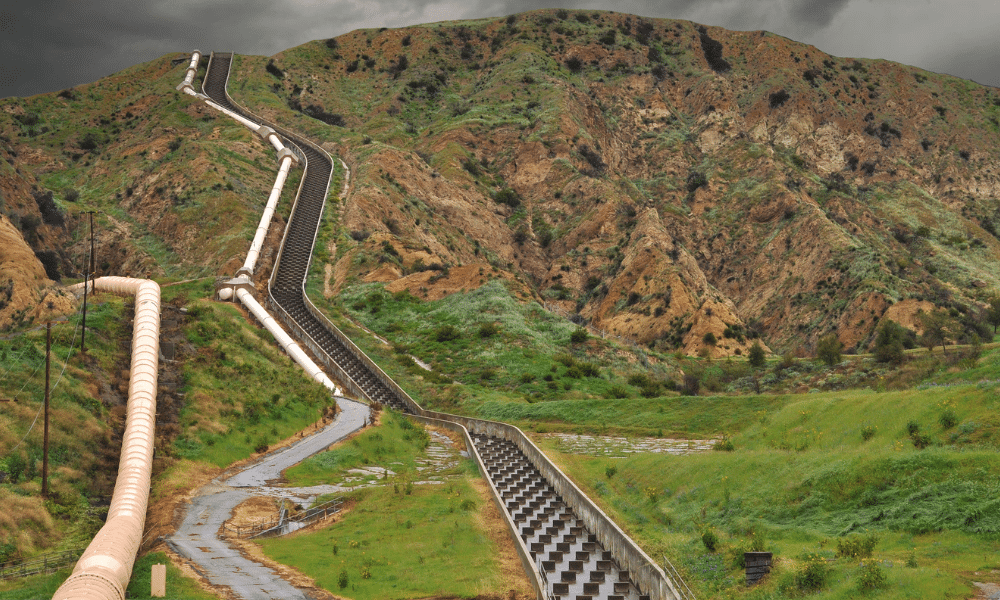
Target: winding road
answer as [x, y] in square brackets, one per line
[197, 538]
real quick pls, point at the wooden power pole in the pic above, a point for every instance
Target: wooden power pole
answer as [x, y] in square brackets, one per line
[45, 442]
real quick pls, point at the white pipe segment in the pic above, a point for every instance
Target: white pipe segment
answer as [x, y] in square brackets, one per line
[104, 570]
[285, 340]
[249, 124]
[265, 219]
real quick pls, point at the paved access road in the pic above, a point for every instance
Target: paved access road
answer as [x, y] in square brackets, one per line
[197, 538]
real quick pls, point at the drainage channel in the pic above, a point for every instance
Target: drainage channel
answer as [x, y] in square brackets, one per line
[572, 563]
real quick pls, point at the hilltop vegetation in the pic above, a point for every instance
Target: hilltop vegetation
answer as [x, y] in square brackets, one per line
[620, 172]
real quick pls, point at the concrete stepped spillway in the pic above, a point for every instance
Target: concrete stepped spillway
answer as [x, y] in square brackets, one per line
[573, 563]
[565, 559]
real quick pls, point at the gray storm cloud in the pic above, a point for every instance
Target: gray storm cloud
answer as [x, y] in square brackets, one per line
[55, 44]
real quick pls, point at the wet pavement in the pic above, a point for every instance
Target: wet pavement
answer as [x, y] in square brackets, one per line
[198, 539]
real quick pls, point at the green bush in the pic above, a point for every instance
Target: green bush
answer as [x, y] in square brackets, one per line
[948, 419]
[871, 576]
[617, 391]
[921, 441]
[912, 428]
[710, 539]
[343, 580]
[857, 546]
[828, 349]
[756, 356]
[610, 471]
[813, 574]
[446, 333]
[487, 330]
[579, 336]
[889, 343]
[868, 432]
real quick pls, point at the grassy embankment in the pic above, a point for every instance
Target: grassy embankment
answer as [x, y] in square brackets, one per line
[399, 540]
[823, 469]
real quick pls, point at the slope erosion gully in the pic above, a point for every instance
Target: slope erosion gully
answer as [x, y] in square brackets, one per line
[566, 558]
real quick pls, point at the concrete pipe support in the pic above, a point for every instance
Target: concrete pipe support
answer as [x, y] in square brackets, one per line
[104, 570]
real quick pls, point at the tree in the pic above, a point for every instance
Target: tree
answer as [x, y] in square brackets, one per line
[828, 349]
[756, 356]
[889, 342]
[993, 313]
[937, 328]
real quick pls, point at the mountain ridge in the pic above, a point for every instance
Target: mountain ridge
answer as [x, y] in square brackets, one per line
[665, 181]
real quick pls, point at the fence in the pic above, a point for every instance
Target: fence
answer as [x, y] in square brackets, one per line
[45, 563]
[283, 524]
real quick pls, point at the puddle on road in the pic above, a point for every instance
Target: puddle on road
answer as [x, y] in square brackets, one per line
[621, 447]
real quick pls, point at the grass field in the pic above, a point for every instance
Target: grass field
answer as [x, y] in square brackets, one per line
[820, 470]
[398, 540]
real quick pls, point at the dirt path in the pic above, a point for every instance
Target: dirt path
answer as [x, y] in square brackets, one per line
[198, 537]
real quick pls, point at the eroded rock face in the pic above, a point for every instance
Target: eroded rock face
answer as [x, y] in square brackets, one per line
[660, 198]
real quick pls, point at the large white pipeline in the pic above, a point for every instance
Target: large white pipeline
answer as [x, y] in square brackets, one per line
[104, 570]
[289, 345]
[186, 85]
[285, 340]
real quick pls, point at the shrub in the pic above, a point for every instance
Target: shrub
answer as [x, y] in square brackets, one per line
[948, 419]
[527, 378]
[912, 428]
[593, 159]
[756, 356]
[778, 98]
[709, 338]
[713, 52]
[274, 70]
[51, 215]
[610, 471]
[828, 349]
[857, 546]
[579, 336]
[71, 195]
[574, 64]
[813, 574]
[617, 391]
[446, 333]
[868, 432]
[343, 580]
[921, 441]
[508, 196]
[889, 343]
[725, 444]
[871, 576]
[487, 330]
[691, 386]
[710, 539]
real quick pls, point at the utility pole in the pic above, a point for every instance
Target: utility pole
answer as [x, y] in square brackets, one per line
[45, 442]
[86, 284]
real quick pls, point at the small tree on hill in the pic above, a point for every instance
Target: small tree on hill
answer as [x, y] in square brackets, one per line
[937, 328]
[828, 349]
[993, 313]
[889, 342]
[756, 356]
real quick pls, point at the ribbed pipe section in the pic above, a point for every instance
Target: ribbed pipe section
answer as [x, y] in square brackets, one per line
[104, 570]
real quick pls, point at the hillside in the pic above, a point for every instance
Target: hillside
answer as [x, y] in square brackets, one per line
[660, 179]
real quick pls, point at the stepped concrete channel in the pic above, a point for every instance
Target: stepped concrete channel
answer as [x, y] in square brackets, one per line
[557, 538]
[197, 538]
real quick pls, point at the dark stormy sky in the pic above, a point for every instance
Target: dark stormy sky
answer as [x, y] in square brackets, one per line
[48, 45]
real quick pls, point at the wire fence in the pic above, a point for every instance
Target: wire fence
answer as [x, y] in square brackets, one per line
[38, 565]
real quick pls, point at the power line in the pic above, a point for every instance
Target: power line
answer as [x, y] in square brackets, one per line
[41, 406]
